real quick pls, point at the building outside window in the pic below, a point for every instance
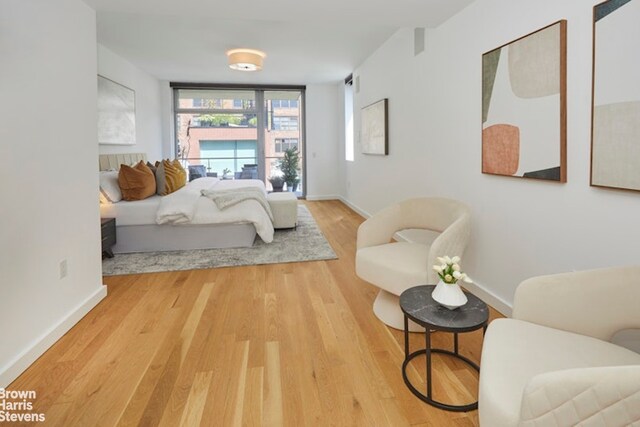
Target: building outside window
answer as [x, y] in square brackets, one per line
[284, 103]
[228, 128]
[283, 144]
[285, 123]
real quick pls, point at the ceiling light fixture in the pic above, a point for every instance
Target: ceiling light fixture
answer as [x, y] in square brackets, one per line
[245, 59]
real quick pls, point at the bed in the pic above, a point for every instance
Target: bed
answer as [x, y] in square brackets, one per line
[184, 220]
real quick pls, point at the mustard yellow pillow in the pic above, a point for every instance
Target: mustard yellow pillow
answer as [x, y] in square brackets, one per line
[137, 182]
[182, 172]
[170, 177]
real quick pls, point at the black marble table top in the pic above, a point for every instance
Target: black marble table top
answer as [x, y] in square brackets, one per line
[420, 307]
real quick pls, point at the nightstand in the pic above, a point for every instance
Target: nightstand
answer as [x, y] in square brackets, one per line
[108, 226]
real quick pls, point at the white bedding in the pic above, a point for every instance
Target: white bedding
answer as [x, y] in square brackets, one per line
[179, 207]
[141, 212]
[188, 206]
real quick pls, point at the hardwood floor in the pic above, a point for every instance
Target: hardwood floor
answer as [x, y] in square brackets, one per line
[286, 344]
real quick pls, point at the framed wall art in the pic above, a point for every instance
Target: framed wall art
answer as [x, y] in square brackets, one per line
[116, 113]
[524, 106]
[615, 123]
[374, 123]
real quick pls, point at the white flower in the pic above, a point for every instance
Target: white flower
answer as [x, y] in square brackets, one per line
[438, 268]
[441, 260]
[457, 274]
[455, 259]
[466, 278]
[447, 260]
[456, 267]
[448, 278]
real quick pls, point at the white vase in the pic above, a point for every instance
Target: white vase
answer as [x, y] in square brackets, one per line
[449, 295]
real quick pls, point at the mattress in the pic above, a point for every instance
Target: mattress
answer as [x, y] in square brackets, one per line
[208, 213]
[139, 212]
[143, 212]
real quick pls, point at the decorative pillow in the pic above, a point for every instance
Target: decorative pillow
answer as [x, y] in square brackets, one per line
[170, 177]
[136, 183]
[109, 188]
[152, 167]
[183, 171]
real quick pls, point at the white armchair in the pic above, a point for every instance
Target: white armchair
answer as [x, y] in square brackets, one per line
[552, 364]
[395, 267]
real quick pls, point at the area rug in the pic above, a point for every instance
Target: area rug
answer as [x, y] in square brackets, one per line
[305, 243]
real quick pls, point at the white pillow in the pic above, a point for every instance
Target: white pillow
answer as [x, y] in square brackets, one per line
[103, 199]
[109, 187]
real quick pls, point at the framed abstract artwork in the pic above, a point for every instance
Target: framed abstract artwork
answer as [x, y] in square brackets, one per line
[116, 113]
[615, 119]
[524, 110]
[374, 125]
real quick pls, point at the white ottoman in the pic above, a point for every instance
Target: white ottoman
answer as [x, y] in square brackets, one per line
[284, 207]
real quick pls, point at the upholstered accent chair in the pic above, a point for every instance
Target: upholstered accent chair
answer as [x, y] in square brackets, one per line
[249, 171]
[197, 171]
[553, 364]
[396, 266]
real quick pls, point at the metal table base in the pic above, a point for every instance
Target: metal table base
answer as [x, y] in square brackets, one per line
[428, 351]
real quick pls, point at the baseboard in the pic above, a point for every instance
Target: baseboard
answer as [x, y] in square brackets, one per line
[490, 298]
[475, 288]
[26, 358]
[317, 198]
[358, 210]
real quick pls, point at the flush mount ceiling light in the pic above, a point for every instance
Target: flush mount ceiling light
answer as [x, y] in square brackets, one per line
[245, 59]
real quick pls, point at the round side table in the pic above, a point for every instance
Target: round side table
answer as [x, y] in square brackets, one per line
[418, 305]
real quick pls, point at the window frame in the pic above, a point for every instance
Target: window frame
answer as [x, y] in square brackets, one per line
[257, 107]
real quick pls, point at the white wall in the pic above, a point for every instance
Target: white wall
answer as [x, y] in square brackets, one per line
[392, 72]
[149, 128]
[322, 102]
[49, 210]
[521, 228]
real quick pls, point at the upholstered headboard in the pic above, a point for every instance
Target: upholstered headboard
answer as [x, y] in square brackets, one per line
[113, 161]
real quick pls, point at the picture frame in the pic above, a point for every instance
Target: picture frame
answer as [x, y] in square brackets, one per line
[374, 128]
[116, 113]
[615, 98]
[524, 107]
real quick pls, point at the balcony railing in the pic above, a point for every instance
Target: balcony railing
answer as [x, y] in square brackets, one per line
[215, 167]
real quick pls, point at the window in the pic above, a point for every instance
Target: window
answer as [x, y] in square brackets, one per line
[225, 120]
[230, 154]
[283, 144]
[348, 121]
[207, 103]
[284, 103]
[228, 127]
[285, 123]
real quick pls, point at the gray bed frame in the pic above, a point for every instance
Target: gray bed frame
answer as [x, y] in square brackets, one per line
[153, 237]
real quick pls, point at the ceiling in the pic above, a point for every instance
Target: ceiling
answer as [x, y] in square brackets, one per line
[306, 41]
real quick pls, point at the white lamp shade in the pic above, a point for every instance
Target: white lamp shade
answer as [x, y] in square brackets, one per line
[245, 59]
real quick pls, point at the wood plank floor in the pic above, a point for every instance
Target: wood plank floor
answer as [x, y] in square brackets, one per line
[288, 344]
